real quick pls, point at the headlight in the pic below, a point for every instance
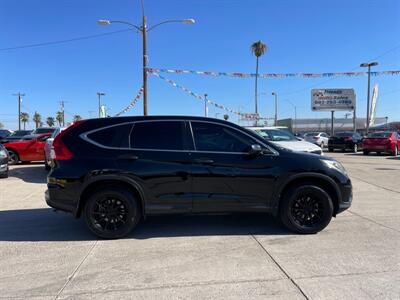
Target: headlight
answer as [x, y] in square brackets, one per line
[333, 164]
[3, 153]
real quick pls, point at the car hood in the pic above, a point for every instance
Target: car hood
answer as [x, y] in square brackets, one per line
[301, 146]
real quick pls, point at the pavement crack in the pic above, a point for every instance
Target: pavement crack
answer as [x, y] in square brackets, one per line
[70, 277]
[281, 268]
[375, 185]
[371, 220]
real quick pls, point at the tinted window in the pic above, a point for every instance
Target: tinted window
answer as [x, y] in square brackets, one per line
[276, 135]
[43, 130]
[158, 135]
[43, 138]
[115, 136]
[380, 134]
[214, 137]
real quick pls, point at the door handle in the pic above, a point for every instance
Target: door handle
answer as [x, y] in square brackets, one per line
[128, 157]
[204, 161]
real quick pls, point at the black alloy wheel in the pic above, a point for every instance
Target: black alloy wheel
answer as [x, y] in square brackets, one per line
[13, 157]
[306, 209]
[112, 212]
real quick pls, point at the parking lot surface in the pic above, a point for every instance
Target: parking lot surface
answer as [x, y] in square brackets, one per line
[50, 255]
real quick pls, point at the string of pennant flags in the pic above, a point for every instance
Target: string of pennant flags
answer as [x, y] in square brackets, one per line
[211, 102]
[133, 102]
[271, 75]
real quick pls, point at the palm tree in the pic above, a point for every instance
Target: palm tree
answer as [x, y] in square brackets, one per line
[50, 121]
[59, 118]
[226, 117]
[258, 49]
[37, 118]
[77, 118]
[24, 118]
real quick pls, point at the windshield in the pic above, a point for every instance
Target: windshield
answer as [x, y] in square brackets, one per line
[380, 134]
[276, 135]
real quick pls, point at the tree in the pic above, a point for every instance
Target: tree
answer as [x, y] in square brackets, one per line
[59, 118]
[258, 49]
[226, 117]
[37, 118]
[24, 118]
[77, 118]
[50, 121]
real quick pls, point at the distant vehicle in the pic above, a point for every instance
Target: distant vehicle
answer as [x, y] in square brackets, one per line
[49, 150]
[115, 171]
[16, 136]
[3, 162]
[346, 140]
[285, 139]
[385, 141]
[4, 133]
[318, 138]
[31, 148]
[41, 130]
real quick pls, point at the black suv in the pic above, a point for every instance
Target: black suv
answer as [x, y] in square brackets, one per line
[115, 171]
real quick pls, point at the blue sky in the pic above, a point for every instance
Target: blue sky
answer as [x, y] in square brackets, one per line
[302, 36]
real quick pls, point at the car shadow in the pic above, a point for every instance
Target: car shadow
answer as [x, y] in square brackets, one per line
[32, 173]
[393, 157]
[44, 224]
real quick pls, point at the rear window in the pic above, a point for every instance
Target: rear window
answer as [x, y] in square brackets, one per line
[115, 136]
[380, 135]
[158, 135]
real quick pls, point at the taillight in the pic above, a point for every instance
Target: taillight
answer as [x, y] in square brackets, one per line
[61, 151]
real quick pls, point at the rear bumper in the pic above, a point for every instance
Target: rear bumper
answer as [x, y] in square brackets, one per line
[54, 198]
[377, 148]
[340, 146]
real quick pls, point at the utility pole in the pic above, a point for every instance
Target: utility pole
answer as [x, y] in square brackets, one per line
[99, 94]
[332, 127]
[62, 103]
[20, 95]
[205, 106]
[276, 108]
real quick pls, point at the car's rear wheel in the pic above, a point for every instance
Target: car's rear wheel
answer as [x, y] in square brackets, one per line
[322, 145]
[112, 212]
[396, 151]
[13, 157]
[306, 209]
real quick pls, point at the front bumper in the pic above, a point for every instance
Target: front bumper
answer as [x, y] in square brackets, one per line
[347, 197]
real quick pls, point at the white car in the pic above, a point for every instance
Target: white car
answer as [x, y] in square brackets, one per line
[285, 139]
[318, 138]
[48, 148]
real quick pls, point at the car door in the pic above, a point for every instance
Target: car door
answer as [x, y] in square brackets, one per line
[162, 164]
[225, 177]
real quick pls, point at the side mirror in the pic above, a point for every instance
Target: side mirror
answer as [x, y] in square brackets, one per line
[255, 149]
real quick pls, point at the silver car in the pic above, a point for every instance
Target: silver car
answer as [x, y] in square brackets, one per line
[49, 150]
[317, 138]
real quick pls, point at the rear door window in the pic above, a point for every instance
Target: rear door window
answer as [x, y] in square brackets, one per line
[114, 136]
[158, 135]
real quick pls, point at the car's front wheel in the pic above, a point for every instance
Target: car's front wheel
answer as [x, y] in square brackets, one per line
[306, 209]
[112, 212]
[13, 157]
[396, 151]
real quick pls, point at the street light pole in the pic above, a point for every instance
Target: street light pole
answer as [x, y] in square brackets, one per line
[205, 106]
[368, 65]
[144, 35]
[276, 108]
[20, 95]
[99, 94]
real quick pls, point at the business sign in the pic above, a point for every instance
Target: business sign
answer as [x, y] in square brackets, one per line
[373, 105]
[249, 116]
[333, 99]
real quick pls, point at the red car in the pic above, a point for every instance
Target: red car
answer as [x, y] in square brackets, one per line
[30, 148]
[385, 141]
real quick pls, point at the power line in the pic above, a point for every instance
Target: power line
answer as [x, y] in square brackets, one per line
[65, 41]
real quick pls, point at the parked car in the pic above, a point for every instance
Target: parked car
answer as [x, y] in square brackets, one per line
[318, 138]
[49, 150]
[42, 130]
[287, 140]
[115, 171]
[3, 162]
[16, 136]
[4, 133]
[30, 148]
[346, 140]
[385, 141]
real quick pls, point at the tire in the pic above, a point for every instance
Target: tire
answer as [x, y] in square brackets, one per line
[365, 152]
[330, 149]
[322, 145]
[13, 157]
[396, 151]
[114, 224]
[4, 175]
[310, 219]
[355, 148]
[46, 165]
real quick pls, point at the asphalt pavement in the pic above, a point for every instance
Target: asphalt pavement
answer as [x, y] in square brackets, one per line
[49, 255]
